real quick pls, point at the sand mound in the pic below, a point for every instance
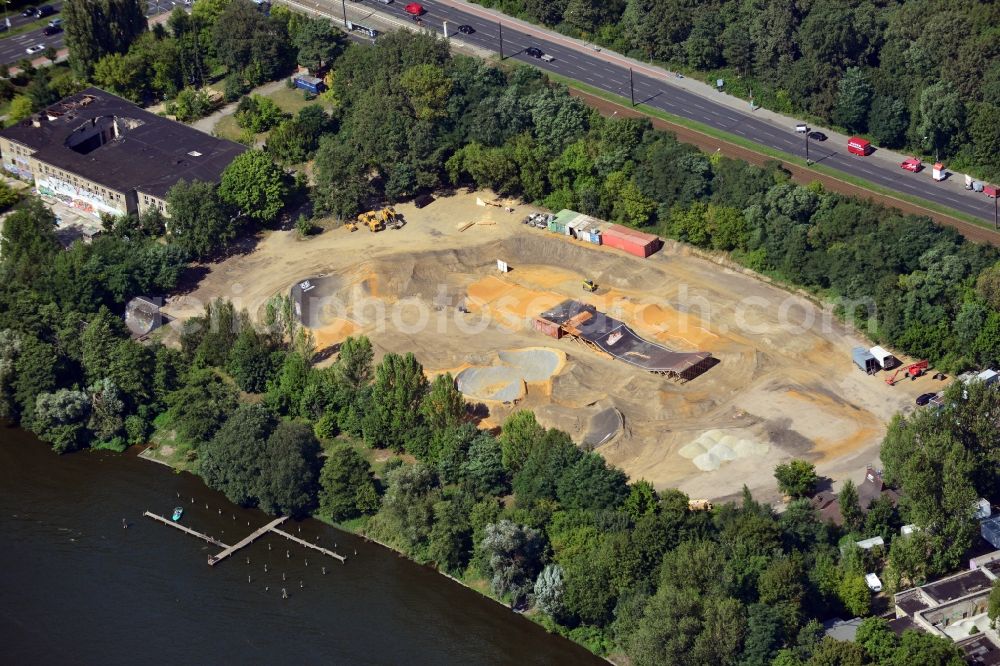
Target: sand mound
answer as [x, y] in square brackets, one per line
[714, 447]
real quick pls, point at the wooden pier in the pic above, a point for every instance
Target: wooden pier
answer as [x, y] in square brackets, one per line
[188, 530]
[303, 542]
[246, 541]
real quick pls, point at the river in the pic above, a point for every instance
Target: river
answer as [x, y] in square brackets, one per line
[76, 587]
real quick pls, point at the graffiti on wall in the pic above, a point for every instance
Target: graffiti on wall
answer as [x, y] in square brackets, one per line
[79, 198]
[20, 169]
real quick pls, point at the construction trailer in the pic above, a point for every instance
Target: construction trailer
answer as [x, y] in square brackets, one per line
[886, 361]
[634, 242]
[308, 83]
[864, 360]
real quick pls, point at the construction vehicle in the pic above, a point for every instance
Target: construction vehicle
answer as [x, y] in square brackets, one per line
[391, 219]
[912, 371]
[372, 221]
[588, 285]
[352, 226]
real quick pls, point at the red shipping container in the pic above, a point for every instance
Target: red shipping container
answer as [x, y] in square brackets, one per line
[634, 242]
[858, 146]
[548, 328]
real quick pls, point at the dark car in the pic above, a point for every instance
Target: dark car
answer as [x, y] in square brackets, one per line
[817, 136]
[534, 52]
[50, 30]
[28, 11]
[45, 10]
[466, 29]
[925, 398]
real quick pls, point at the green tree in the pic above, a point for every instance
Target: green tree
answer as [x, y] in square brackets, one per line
[200, 221]
[590, 484]
[20, 108]
[854, 594]
[519, 435]
[393, 418]
[994, 604]
[641, 501]
[514, 555]
[450, 539]
[427, 88]
[95, 29]
[854, 98]
[258, 113]
[888, 119]
[941, 121]
[443, 406]
[232, 460]
[255, 186]
[60, 418]
[346, 484]
[549, 592]
[28, 242]
[318, 43]
[483, 472]
[850, 510]
[201, 405]
[796, 478]
[408, 506]
[288, 481]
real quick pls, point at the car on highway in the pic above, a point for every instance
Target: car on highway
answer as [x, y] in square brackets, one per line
[55, 23]
[45, 10]
[534, 52]
[50, 30]
[414, 9]
[37, 48]
[466, 29]
[817, 136]
[28, 12]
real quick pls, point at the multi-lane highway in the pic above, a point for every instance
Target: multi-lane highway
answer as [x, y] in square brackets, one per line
[611, 74]
[14, 48]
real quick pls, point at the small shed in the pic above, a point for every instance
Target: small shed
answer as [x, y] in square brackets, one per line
[868, 544]
[864, 360]
[547, 328]
[885, 360]
[634, 242]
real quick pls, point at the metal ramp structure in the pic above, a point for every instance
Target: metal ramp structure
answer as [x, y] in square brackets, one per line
[613, 337]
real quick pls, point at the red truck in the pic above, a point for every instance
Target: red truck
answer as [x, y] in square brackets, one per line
[912, 164]
[414, 9]
[858, 146]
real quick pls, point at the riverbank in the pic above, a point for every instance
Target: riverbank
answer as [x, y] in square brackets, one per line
[66, 556]
[357, 528]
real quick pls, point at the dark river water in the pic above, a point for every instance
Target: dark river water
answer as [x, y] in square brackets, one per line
[78, 588]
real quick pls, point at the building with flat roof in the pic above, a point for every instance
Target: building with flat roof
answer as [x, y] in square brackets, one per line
[99, 153]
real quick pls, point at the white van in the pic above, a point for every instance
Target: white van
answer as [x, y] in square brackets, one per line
[547, 58]
[801, 128]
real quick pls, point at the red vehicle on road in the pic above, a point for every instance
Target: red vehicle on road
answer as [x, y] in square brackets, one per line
[414, 9]
[912, 164]
[858, 146]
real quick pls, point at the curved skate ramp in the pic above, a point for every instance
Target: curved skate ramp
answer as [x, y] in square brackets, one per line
[507, 380]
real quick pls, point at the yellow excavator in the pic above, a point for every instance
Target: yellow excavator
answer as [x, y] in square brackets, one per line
[588, 285]
[372, 221]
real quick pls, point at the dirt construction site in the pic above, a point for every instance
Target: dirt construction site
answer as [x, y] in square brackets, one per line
[784, 385]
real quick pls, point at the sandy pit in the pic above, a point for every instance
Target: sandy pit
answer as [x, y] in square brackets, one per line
[784, 387]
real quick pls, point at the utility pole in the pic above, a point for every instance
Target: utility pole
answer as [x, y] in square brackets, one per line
[808, 162]
[631, 86]
[996, 203]
[343, 4]
[500, 25]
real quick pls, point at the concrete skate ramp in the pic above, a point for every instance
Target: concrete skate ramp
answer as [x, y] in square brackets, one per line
[603, 427]
[506, 381]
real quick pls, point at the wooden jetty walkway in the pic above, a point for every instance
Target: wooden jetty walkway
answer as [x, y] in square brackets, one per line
[303, 542]
[246, 541]
[188, 530]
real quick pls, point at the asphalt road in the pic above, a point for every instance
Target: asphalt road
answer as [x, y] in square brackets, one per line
[13, 49]
[599, 73]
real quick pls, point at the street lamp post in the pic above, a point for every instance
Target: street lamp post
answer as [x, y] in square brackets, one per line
[500, 25]
[343, 4]
[631, 86]
[808, 161]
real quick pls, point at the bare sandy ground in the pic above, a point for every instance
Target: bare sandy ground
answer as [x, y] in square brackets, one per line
[785, 386]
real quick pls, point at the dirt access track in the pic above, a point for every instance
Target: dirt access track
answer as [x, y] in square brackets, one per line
[801, 175]
[784, 387]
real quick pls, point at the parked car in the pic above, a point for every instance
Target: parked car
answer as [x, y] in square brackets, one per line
[466, 29]
[3, 26]
[911, 164]
[817, 136]
[50, 30]
[801, 128]
[55, 23]
[45, 10]
[37, 48]
[925, 398]
[28, 12]
[534, 52]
